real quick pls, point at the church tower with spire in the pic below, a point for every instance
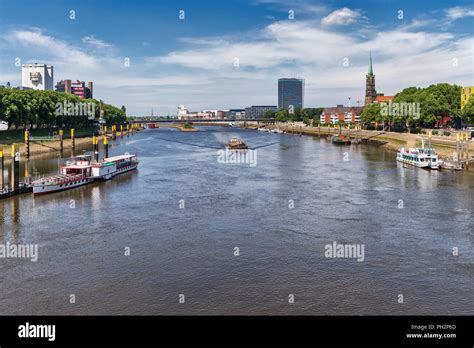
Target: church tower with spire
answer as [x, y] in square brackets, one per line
[370, 92]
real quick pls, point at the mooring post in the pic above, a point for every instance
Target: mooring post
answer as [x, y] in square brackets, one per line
[458, 155]
[97, 149]
[106, 147]
[121, 131]
[27, 144]
[128, 130]
[466, 137]
[27, 172]
[95, 152]
[73, 140]
[2, 162]
[114, 132]
[15, 179]
[61, 143]
[429, 138]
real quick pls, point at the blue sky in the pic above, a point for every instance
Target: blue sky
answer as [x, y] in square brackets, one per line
[229, 54]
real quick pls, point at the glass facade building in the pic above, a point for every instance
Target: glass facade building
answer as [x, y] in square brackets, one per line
[290, 92]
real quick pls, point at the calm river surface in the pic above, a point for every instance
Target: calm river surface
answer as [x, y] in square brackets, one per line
[409, 220]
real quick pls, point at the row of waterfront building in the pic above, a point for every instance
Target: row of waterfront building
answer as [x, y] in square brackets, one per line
[290, 97]
[41, 77]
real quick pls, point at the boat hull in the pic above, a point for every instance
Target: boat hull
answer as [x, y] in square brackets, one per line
[45, 189]
[126, 169]
[415, 164]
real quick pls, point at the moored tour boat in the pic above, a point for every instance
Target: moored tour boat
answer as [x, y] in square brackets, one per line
[82, 170]
[419, 157]
[73, 174]
[123, 163]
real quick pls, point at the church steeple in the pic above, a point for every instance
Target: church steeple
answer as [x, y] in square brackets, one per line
[370, 93]
[371, 71]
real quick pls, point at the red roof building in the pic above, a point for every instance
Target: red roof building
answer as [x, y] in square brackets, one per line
[383, 98]
[342, 114]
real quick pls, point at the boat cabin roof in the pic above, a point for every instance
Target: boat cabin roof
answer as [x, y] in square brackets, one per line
[78, 166]
[118, 158]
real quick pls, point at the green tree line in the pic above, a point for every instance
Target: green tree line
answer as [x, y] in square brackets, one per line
[432, 104]
[43, 109]
[307, 115]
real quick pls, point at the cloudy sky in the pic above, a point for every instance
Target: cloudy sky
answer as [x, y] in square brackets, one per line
[229, 54]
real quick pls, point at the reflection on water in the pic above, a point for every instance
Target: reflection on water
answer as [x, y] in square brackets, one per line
[183, 213]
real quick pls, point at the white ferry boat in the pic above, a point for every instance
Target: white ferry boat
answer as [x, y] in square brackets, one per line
[73, 174]
[123, 163]
[82, 171]
[419, 157]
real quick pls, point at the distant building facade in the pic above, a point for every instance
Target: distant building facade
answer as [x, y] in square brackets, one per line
[78, 88]
[184, 114]
[342, 114]
[257, 111]
[236, 114]
[37, 76]
[290, 92]
[381, 98]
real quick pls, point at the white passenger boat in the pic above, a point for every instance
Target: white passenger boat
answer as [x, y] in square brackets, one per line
[73, 174]
[82, 170]
[123, 163]
[419, 157]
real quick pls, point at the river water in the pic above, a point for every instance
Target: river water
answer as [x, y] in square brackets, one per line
[240, 239]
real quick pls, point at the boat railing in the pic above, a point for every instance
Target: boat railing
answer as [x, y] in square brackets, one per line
[61, 178]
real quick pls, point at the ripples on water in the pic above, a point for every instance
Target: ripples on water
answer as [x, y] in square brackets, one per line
[190, 251]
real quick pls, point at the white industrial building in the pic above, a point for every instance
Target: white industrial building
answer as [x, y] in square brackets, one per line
[37, 76]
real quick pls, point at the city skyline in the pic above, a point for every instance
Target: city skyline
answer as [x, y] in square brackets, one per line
[234, 64]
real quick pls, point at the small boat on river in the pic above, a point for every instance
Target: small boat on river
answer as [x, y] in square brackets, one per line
[340, 140]
[236, 144]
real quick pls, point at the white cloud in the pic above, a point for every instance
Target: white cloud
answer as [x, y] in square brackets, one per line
[402, 58]
[343, 16]
[92, 40]
[203, 76]
[459, 12]
[61, 50]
